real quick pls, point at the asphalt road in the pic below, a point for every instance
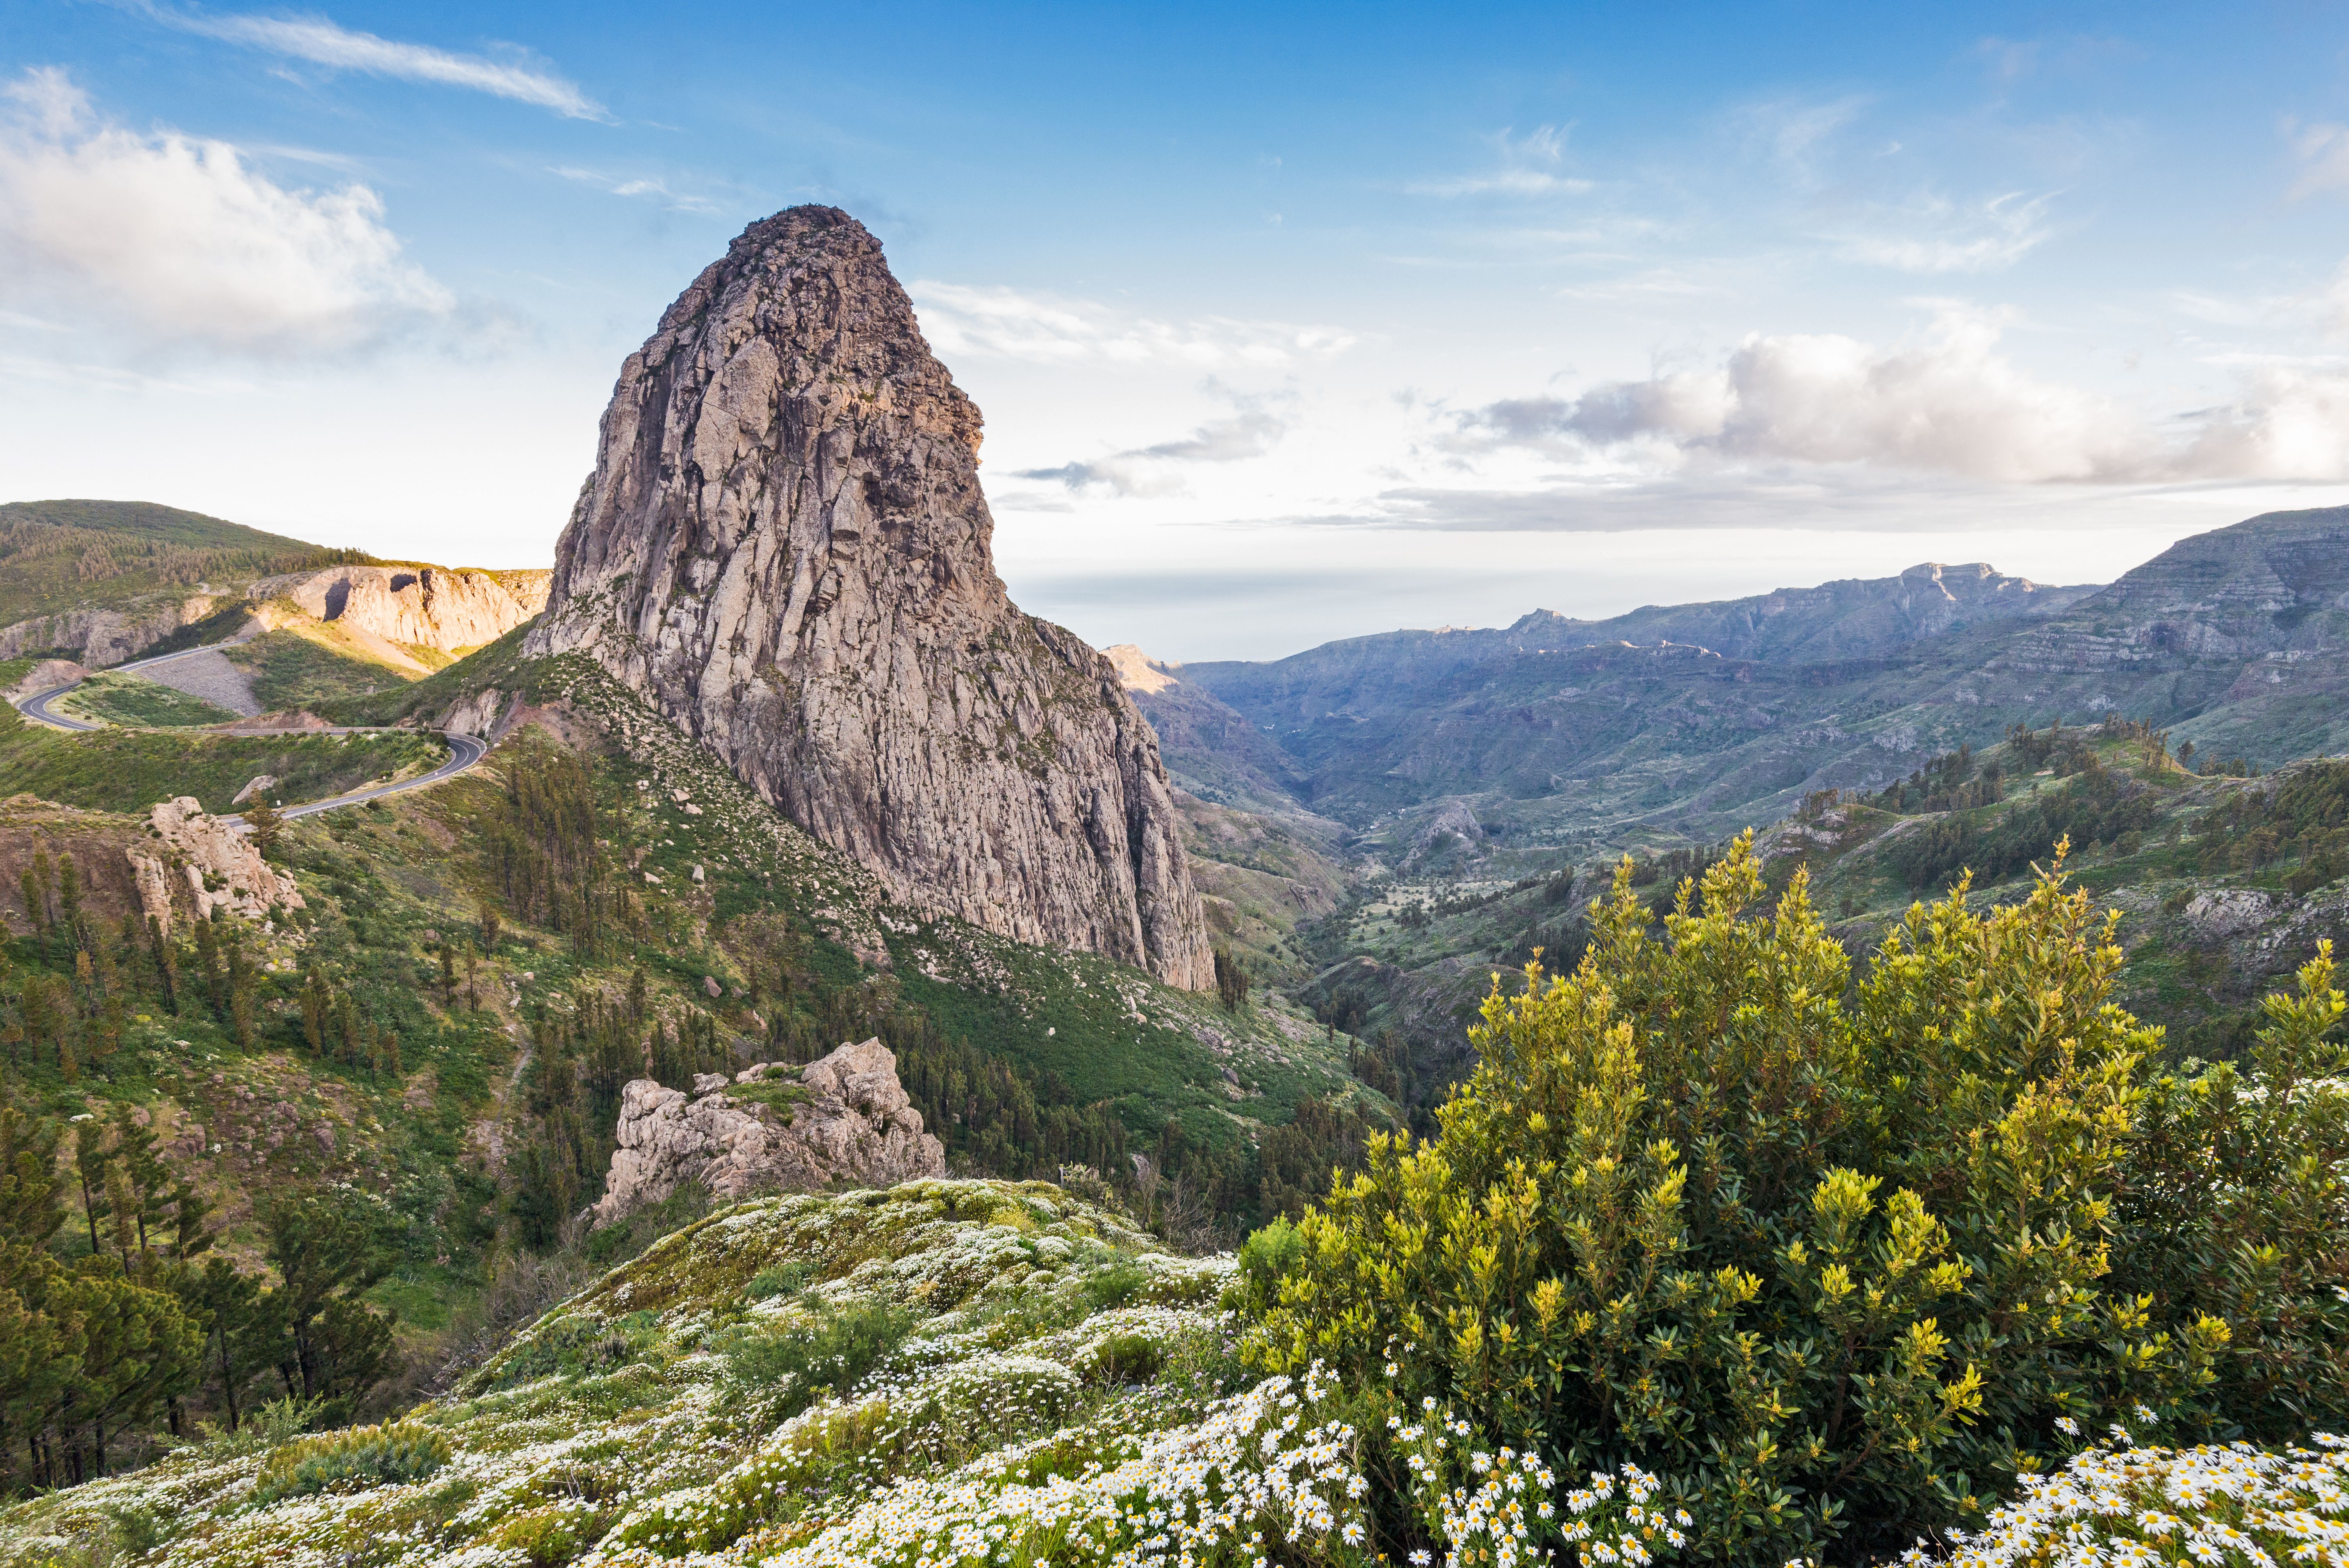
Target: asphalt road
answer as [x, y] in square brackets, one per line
[464, 750]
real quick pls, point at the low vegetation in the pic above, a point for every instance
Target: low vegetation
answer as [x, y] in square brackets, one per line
[130, 700]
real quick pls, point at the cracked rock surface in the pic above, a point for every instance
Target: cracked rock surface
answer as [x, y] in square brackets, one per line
[785, 548]
[856, 1124]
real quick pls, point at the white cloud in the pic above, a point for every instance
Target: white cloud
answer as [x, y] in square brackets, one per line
[1047, 329]
[181, 243]
[1526, 168]
[1949, 402]
[1151, 471]
[320, 42]
[1936, 235]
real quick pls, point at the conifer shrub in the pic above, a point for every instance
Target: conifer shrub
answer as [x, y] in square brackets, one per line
[352, 1458]
[1837, 1259]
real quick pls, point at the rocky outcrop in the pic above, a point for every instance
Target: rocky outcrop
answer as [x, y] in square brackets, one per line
[422, 607]
[100, 637]
[221, 866]
[785, 548]
[854, 1124]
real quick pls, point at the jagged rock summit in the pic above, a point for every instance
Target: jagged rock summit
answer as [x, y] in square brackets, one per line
[785, 548]
[854, 1122]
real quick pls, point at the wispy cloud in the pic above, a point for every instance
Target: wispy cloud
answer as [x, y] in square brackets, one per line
[640, 188]
[1934, 235]
[318, 41]
[1151, 471]
[2324, 152]
[1050, 329]
[1527, 166]
[180, 241]
[1797, 133]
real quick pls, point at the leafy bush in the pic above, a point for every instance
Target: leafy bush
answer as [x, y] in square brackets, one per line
[351, 1459]
[572, 1343]
[783, 1279]
[1128, 1359]
[1837, 1261]
[1116, 1285]
[803, 1360]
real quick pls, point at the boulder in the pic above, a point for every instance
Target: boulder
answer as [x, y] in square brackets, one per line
[222, 868]
[856, 1125]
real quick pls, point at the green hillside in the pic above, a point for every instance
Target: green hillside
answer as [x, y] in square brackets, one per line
[58, 556]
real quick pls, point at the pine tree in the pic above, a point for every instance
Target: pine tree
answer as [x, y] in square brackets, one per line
[45, 879]
[32, 1208]
[43, 1025]
[91, 1157]
[70, 896]
[150, 1178]
[316, 1003]
[265, 822]
[127, 940]
[138, 1350]
[35, 912]
[240, 991]
[330, 1245]
[122, 1208]
[207, 959]
[167, 963]
[190, 1233]
[244, 1336]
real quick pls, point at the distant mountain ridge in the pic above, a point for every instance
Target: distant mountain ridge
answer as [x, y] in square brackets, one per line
[1700, 718]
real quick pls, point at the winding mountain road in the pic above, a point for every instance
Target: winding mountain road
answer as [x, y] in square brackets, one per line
[465, 752]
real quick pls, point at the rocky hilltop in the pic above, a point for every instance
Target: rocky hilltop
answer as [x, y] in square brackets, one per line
[785, 548]
[421, 606]
[850, 1120]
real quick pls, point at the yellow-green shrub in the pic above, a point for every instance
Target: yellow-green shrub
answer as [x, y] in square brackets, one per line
[1837, 1260]
[349, 1459]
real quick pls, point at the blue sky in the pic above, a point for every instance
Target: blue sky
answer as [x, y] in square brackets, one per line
[1290, 323]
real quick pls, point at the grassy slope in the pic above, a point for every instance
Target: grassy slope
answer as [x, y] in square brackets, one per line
[1032, 1313]
[307, 666]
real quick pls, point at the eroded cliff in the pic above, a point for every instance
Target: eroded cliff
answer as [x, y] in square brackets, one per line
[785, 547]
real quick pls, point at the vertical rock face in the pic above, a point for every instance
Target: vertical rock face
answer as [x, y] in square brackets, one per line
[786, 549]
